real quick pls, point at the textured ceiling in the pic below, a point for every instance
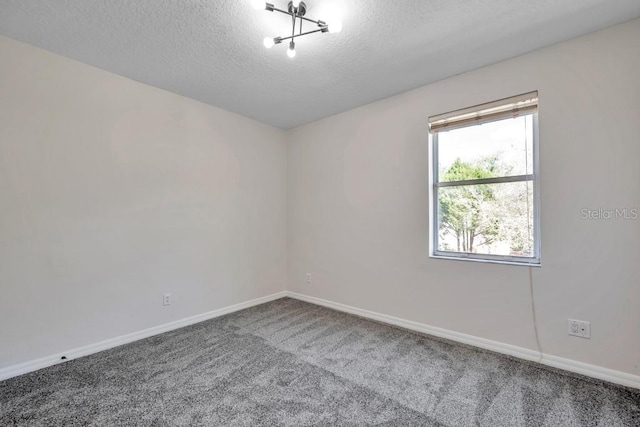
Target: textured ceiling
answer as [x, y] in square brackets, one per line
[212, 50]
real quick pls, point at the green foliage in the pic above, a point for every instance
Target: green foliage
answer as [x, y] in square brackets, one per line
[480, 215]
[463, 209]
[460, 171]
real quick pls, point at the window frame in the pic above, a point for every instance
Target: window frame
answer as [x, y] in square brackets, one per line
[534, 177]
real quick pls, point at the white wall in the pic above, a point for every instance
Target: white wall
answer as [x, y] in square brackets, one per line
[358, 206]
[113, 193]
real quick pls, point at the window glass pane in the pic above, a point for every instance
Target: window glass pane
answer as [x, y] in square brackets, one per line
[502, 148]
[494, 219]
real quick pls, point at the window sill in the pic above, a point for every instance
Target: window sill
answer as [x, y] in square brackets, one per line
[527, 263]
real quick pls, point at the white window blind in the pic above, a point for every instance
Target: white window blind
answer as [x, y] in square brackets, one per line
[509, 107]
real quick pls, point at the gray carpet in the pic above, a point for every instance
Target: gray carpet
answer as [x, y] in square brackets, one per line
[293, 363]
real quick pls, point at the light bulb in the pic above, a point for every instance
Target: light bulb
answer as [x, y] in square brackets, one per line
[295, 3]
[291, 52]
[258, 4]
[268, 42]
[335, 26]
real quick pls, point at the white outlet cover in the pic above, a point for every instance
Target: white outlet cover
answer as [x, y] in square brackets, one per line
[166, 299]
[579, 328]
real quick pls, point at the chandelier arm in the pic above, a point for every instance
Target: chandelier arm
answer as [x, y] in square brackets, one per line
[281, 11]
[299, 35]
[318, 22]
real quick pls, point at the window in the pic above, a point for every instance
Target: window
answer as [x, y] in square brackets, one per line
[485, 182]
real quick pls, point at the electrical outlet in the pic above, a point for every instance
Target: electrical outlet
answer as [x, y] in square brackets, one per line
[308, 277]
[166, 299]
[580, 328]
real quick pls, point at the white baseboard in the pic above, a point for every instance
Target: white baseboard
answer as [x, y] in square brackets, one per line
[54, 359]
[605, 374]
[586, 369]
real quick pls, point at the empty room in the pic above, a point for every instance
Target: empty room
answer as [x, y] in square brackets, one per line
[320, 213]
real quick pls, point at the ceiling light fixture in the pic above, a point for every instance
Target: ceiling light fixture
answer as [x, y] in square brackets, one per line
[296, 9]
